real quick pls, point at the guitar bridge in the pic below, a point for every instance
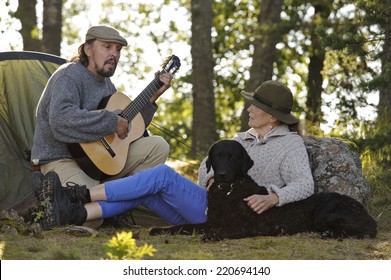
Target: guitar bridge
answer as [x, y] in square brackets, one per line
[107, 147]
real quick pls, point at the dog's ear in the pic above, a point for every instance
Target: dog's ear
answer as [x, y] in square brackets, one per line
[208, 162]
[247, 162]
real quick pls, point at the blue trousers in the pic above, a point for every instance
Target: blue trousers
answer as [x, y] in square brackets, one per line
[161, 189]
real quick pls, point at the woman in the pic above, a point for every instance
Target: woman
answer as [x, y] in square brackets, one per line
[280, 164]
[274, 143]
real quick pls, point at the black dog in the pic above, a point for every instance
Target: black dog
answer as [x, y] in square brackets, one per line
[331, 214]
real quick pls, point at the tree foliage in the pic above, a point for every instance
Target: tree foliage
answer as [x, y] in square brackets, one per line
[348, 39]
[355, 43]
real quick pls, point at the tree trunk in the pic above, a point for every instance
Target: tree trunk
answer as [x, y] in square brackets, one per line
[52, 23]
[315, 78]
[264, 49]
[26, 13]
[384, 107]
[204, 120]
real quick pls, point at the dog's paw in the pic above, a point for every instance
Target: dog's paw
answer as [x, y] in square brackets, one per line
[326, 234]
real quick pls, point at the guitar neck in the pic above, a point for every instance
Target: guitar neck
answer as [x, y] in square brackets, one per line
[143, 98]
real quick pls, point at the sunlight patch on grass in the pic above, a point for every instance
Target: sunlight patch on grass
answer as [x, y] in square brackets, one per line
[2, 245]
[189, 169]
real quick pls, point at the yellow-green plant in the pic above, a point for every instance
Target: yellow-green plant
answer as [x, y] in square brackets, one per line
[123, 247]
[40, 212]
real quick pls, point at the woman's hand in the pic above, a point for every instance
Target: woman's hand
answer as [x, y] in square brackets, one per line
[260, 203]
[210, 182]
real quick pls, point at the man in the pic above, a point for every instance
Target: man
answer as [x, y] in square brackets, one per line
[67, 111]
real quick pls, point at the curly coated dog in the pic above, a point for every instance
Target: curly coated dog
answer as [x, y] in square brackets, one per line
[331, 214]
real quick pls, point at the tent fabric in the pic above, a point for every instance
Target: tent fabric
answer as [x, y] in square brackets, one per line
[23, 77]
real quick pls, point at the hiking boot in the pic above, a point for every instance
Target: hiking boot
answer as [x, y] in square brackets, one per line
[47, 218]
[76, 193]
[36, 183]
[59, 210]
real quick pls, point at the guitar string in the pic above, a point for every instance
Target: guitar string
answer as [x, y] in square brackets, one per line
[131, 111]
[141, 99]
[138, 103]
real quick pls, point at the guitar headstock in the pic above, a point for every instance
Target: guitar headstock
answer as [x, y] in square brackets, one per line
[171, 64]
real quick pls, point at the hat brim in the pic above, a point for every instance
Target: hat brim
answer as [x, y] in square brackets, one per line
[121, 42]
[285, 118]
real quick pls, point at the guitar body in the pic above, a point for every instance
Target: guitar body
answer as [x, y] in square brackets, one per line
[93, 157]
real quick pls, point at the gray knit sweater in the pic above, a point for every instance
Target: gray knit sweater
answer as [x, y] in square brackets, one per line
[280, 164]
[65, 112]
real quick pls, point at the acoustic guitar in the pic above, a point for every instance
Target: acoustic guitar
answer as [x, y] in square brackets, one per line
[107, 156]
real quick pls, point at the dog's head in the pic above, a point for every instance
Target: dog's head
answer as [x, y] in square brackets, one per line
[229, 160]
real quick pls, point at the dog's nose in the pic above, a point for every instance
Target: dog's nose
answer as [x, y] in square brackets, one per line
[220, 175]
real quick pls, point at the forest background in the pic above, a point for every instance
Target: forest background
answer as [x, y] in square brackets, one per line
[334, 55]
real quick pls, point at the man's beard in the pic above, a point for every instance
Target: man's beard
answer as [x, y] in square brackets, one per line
[105, 73]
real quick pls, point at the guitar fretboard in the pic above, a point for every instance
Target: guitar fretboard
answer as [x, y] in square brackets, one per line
[143, 98]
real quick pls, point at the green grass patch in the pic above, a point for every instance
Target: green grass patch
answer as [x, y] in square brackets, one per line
[56, 245]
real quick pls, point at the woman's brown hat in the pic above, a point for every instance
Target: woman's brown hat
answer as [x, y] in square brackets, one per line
[273, 98]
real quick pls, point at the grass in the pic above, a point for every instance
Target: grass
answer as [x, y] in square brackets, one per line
[58, 244]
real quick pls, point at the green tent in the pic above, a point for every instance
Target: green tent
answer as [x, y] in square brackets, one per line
[23, 76]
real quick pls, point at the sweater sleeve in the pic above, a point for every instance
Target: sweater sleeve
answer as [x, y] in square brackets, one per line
[296, 173]
[148, 112]
[69, 123]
